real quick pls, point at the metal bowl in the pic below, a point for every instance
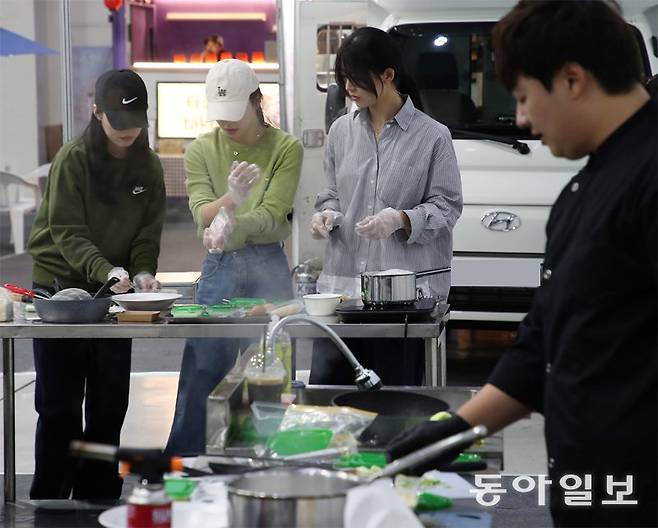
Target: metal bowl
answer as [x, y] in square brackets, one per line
[84, 311]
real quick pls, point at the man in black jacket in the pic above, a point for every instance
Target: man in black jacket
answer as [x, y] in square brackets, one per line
[586, 352]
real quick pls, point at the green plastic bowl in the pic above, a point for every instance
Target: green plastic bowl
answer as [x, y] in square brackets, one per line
[180, 488]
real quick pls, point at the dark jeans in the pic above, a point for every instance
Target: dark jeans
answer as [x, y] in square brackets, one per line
[396, 361]
[68, 372]
[255, 271]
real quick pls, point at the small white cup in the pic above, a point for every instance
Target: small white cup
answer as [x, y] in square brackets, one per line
[321, 304]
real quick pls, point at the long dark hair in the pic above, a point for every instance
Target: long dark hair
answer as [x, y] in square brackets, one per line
[256, 99]
[104, 183]
[370, 51]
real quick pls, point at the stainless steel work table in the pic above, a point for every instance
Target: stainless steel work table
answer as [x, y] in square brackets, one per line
[432, 333]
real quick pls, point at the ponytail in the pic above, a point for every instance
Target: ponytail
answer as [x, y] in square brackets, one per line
[406, 85]
[370, 51]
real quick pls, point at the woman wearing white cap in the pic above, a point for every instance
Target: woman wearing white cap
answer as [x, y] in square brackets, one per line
[251, 171]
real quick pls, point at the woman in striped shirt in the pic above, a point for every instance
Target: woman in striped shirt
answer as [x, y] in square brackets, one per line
[392, 199]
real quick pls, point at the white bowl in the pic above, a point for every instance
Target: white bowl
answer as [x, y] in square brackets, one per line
[321, 303]
[146, 301]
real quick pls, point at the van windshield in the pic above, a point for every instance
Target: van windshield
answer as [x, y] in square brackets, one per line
[453, 67]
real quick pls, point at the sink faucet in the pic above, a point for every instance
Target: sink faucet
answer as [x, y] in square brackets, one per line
[366, 379]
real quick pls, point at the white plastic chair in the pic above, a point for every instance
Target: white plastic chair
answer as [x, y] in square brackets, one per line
[13, 200]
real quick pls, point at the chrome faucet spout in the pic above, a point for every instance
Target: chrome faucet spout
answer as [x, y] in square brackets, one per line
[365, 379]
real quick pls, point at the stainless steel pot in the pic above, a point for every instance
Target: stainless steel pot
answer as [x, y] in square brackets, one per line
[309, 497]
[380, 288]
[281, 498]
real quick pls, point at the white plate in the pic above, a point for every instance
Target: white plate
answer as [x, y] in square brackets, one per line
[183, 515]
[146, 301]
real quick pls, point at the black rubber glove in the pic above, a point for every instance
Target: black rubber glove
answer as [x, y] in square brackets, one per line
[424, 434]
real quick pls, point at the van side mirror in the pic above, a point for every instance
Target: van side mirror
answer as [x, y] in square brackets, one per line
[334, 106]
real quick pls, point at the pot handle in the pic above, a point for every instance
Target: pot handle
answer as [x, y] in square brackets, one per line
[432, 272]
[105, 287]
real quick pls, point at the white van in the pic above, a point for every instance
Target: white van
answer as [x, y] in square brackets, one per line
[510, 180]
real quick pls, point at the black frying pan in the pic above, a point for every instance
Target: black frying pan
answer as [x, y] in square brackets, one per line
[396, 411]
[392, 403]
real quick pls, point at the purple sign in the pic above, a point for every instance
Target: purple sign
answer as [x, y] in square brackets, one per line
[158, 33]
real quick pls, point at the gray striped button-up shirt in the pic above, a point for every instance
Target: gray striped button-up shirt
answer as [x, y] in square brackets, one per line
[411, 167]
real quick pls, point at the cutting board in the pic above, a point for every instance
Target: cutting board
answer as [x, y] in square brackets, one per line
[133, 316]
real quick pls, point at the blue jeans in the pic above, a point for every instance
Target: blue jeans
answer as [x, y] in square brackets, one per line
[255, 271]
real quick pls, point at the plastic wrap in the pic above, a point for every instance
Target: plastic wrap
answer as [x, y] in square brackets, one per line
[215, 234]
[344, 422]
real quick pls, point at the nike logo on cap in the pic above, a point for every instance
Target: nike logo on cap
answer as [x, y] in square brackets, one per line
[138, 189]
[124, 101]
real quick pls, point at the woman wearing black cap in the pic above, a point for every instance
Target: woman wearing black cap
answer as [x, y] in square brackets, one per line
[101, 217]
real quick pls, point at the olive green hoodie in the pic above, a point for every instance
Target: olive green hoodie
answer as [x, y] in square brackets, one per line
[78, 238]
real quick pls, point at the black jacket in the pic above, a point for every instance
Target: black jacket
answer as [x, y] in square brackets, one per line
[586, 353]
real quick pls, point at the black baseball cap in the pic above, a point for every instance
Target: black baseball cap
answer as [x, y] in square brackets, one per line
[121, 95]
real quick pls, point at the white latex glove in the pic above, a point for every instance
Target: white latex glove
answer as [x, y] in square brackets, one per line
[380, 226]
[124, 280]
[323, 223]
[242, 178]
[215, 235]
[145, 281]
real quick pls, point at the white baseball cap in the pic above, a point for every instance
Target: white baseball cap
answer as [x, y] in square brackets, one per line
[229, 84]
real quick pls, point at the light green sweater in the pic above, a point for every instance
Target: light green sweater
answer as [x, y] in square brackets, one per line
[262, 218]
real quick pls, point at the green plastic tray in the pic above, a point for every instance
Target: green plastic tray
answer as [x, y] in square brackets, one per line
[296, 441]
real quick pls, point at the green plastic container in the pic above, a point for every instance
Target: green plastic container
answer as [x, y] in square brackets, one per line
[188, 310]
[245, 302]
[215, 310]
[296, 441]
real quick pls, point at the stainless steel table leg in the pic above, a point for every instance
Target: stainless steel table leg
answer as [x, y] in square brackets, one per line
[427, 381]
[435, 362]
[293, 359]
[9, 420]
[431, 362]
[443, 352]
